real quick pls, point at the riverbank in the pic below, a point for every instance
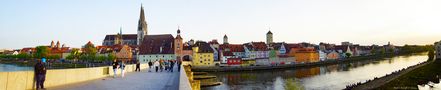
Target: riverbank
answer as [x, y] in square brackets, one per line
[377, 82]
[419, 76]
[304, 65]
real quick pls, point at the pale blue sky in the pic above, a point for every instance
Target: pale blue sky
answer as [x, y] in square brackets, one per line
[28, 23]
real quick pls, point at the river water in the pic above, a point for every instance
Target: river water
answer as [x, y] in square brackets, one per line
[11, 67]
[330, 77]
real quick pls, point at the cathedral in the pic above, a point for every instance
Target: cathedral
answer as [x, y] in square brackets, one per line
[129, 39]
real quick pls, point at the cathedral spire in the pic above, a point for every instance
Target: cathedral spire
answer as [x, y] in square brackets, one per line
[142, 27]
[120, 30]
[141, 15]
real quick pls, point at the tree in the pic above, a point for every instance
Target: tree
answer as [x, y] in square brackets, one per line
[111, 57]
[54, 57]
[70, 57]
[74, 54]
[382, 51]
[23, 56]
[90, 49]
[348, 54]
[41, 51]
[431, 54]
[374, 51]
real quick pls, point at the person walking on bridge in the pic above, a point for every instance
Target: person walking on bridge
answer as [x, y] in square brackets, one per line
[115, 67]
[40, 73]
[138, 65]
[179, 65]
[150, 65]
[171, 65]
[156, 65]
[122, 66]
[161, 65]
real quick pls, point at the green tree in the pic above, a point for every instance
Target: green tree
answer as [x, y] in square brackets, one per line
[70, 57]
[54, 57]
[273, 54]
[90, 49]
[111, 57]
[348, 54]
[374, 51]
[431, 54]
[382, 51]
[74, 54]
[23, 56]
[41, 51]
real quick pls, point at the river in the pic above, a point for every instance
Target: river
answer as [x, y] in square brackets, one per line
[11, 67]
[329, 77]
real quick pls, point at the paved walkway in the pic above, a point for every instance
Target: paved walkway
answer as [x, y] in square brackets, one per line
[143, 80]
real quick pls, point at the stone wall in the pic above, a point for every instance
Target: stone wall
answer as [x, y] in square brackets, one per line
[24, 80]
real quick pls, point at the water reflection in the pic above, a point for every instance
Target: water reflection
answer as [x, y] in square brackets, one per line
[9, 68]
[325, 77]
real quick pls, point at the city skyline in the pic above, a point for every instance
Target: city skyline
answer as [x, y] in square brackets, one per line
[74, 23]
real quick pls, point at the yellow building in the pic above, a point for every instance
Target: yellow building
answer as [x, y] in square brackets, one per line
[203, 55]
[304, 55]
[248, 62]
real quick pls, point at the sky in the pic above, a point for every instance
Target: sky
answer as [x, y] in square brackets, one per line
[30, 23]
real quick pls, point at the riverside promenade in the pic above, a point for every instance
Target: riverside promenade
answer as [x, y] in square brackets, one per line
[143, 80]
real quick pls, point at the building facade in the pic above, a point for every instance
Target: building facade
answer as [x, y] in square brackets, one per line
[157, 47]
[202, 54]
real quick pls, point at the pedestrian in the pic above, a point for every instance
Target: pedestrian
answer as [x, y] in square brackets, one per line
[122, 66]
[179, 65]
[161, 65]
[115, 67]
[138, 65]
[156, 65]
[166, 65]
[40, 73]
[150, 65]
[171, 65]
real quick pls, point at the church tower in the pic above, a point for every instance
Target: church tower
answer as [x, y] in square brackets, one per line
[142, 27]
[225, 39]
[178, 45]
[269, 37]
[119, 38]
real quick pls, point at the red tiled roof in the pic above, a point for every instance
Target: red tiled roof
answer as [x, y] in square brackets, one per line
[232, 47]
[213, 42]
[204, 47]
[25, 50]
[227, 54]
[152, 44]
[124, 36]
[257, 46]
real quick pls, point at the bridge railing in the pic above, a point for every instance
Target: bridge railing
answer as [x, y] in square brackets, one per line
[24, 80]
[186, 80]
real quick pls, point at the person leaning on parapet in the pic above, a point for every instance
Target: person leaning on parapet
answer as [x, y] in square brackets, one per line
[40, 73]
[115, 67]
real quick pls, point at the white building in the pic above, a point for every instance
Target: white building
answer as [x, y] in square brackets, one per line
[322, 55]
